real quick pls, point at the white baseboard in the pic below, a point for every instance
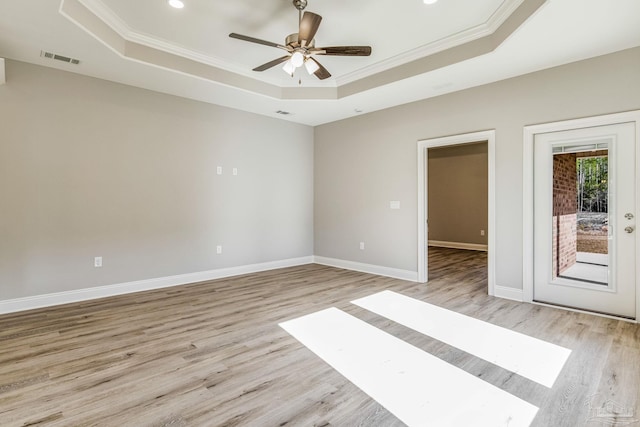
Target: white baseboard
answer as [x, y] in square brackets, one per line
[395, 273]
[458, 245]
[508, 293]
[47, 300]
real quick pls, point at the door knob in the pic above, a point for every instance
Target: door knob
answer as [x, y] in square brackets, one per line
[629, 229]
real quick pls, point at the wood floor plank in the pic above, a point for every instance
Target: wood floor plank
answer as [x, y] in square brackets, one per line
[212, 353]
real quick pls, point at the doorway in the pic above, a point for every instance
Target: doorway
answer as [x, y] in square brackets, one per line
[469, 138]
[457, 196]
[583, 185]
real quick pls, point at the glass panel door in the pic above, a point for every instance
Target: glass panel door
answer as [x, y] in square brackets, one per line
[584, 219]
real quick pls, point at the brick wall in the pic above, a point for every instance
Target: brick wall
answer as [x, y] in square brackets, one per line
[564, 212]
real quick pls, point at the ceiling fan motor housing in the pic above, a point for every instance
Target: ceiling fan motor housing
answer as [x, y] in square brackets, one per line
[292, 40]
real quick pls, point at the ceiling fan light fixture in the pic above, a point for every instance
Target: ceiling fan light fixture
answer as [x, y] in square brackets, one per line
[297, 59]
[178, 4]
[311, 65]
[289, 68]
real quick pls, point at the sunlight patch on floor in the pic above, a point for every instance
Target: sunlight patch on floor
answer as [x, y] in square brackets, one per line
[532, 358]
[415, 386]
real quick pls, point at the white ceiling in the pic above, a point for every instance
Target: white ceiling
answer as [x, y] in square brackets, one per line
[419, 50]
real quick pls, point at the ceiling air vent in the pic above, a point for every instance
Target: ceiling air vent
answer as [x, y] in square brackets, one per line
[59, 57]
[283, 113]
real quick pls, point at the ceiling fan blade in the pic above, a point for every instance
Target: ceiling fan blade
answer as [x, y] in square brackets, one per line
[308, 28]
[321, 72]
[255, 40]
[272, 63]
[342, 50]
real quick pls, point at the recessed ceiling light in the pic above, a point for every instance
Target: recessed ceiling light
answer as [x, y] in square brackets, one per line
[429, 1]
[178, 4]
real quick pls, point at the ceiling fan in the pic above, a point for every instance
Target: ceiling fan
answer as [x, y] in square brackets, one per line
[301, 48]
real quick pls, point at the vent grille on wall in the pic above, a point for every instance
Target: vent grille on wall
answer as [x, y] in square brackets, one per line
[59, 57]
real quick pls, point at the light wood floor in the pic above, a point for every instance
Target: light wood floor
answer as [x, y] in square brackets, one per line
[212, 354]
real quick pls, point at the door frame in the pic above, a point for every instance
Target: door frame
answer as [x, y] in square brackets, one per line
[467, 138]
[528, 179]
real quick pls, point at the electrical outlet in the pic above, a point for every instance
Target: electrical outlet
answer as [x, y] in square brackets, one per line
[219, 249]
[362, 246]
[235, 171]
[97, 261]
[482, 232]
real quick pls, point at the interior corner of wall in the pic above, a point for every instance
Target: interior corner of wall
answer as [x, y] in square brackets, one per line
[2, 75]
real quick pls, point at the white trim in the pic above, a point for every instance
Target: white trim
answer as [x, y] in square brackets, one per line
[48, 300]
[529, 133]
[458, 245]
[467, 138]
[379, 270]
[508, 293]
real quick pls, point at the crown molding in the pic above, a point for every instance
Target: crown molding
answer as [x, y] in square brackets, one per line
[107, 27]
[117, 24]
[487, 28]
[110, 18]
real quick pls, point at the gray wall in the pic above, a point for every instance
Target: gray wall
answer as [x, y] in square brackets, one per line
[363, 162]
[457, 193]
[91, 168]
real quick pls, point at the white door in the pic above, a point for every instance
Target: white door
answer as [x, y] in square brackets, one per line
[584, 219]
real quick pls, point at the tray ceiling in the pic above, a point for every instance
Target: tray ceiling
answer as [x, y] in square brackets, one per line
[419, 50]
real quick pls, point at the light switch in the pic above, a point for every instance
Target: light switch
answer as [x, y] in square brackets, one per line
[394, 204]
[219, 170]
[235, 171]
